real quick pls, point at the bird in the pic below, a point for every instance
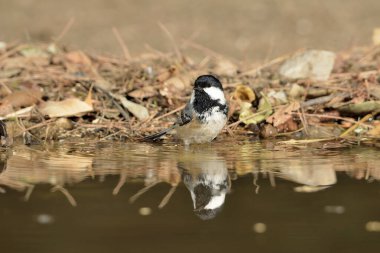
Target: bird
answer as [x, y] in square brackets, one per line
[206, 176]
[203, 117]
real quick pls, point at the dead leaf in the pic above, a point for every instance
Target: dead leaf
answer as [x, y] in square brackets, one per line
[288, 126]
[277, 97]
[89, 99]
[175, 86]
[21, 112]
[375, 132]
[65, 108]
[225, 67]
[283, 114]
[374, 90]
[244, 93]
[103, 84]
[310, 188]
[137, 110]
[247, 116]
[361, 108]
[166, 74]
[144, 92]
[19, 99]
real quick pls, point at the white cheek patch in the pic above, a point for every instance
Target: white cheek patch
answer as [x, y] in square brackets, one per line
[215, 202]
[215, 94]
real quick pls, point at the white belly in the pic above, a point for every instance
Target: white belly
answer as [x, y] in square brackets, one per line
[197, 132]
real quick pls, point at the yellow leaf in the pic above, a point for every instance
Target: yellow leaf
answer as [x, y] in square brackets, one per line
[247, 116]
[244, 93]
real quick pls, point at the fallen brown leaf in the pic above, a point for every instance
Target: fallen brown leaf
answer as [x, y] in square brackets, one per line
[19, 99]
[375, 132]
[65, 108]
[144, 92]
[283, 114]
[288, 126]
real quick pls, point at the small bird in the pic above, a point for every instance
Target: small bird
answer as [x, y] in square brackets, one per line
[204, 116]
[206, 176]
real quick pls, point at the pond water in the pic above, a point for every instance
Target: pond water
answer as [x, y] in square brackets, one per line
[225, 196]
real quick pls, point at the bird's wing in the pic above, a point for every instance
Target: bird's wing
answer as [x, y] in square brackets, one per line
[185, 118]
[186, 115]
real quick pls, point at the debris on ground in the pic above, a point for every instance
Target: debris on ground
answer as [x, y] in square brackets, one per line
[309, 95]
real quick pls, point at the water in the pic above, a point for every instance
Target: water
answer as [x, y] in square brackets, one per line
[227, 196]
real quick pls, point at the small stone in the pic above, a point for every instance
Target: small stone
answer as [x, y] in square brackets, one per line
[313, 64]
[64, 123]
[296, 91]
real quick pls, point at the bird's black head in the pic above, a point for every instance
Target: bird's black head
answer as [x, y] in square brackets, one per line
[207, 81]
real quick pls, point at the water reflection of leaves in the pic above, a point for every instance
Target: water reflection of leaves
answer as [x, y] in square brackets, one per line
[153, 164]
[26, 168]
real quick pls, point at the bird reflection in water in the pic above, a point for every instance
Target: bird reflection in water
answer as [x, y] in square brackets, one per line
[206, 176]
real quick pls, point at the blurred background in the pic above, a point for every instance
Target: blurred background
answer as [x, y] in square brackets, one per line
[252, 30]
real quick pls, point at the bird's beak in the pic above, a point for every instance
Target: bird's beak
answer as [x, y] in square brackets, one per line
[198, 88]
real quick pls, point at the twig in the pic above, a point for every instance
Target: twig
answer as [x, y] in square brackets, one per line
[333, 117]
[142, 191]
[122, 44]
[207, 51]
[6, 88]
[36, 126]
[65, 192]
[65, 29]
[12, 51]
[301, 115]
[122, 180]
[167, 197]
[172, 40]
[255, 177]
[29, 192]
[272, 179]
[170, 113]
[110, 135]
[116, 104]
[352, 128]
[324, 99]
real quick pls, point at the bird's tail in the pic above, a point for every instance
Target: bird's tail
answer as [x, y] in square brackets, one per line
[155, 136]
